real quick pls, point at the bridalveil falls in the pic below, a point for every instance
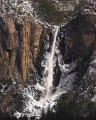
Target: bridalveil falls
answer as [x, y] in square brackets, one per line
[49, 65]
[34, 107]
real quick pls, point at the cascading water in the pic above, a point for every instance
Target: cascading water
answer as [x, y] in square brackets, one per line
[49, 78]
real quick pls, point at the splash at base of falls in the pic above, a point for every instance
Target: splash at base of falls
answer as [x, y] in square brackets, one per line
[33, 107]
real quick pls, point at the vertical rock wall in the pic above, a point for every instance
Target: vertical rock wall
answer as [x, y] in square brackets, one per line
[19, 45]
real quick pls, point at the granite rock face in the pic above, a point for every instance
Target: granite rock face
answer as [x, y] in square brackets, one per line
[80, 37]
[19, 44]
[79, 47]
[23, 44]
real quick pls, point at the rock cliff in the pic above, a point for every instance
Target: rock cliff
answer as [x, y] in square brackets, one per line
[19, 45]
[24, 44]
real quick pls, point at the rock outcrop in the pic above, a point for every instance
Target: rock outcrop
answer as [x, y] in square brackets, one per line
[19, 45]
[80, 38]
[78, 47]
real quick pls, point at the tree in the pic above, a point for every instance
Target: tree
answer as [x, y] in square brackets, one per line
[18, 7]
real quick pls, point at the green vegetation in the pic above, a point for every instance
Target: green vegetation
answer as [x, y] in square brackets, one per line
[49, 11]
[70, 108]
[67, 108]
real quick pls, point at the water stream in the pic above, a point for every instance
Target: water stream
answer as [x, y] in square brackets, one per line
[49, 78]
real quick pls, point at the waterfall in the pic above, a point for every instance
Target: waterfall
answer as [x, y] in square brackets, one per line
[49, 77]
[32, 106]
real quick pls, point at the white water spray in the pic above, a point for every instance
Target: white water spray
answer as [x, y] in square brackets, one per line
[49, 78]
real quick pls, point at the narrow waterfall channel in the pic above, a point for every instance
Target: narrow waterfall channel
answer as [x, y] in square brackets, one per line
[49, 78]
